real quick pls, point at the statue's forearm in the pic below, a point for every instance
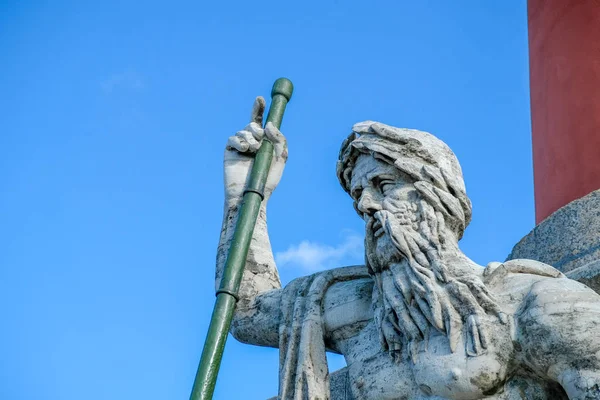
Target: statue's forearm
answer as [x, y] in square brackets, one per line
[256, 318]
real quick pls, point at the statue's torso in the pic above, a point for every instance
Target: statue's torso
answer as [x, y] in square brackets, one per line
[438, 374]
[434, 372]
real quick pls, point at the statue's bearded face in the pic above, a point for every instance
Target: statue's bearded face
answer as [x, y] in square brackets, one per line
[383, 195]
[405, 241]
[413, 222]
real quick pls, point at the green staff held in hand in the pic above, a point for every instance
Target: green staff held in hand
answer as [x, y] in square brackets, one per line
[253, 195]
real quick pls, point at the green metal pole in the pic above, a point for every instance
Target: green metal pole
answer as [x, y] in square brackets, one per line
[227, 294]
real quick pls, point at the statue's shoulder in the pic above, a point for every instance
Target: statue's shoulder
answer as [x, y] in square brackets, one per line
[513, 282]
[326, 278]
[336, 283]
[496, 271]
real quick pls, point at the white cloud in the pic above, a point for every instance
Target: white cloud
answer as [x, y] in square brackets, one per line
[310, 256]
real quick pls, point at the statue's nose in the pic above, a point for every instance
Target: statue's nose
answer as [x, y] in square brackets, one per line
[369, 202]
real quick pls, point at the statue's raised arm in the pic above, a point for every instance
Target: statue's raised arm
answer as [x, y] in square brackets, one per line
[256, 319]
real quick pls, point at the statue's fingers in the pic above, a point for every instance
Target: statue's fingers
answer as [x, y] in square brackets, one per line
[382, 341]
[396, 352]
[473, 341]
[453, 324]
[486, 299]
[258, 109]
[237, 143]
[257, 131]
[253, 144]
[503, 317]
[413, 350]
[482, 332]
[467, 300]
[278, 140]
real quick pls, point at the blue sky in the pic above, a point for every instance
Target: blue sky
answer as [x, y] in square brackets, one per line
[114, 117]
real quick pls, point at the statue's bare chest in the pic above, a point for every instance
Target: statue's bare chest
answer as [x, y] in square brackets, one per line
[431, 369]
[436, 372]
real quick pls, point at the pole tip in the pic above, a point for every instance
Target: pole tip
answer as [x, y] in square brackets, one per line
[284, 87]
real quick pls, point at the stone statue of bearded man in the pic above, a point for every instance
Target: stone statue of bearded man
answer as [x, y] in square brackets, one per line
[420, 320]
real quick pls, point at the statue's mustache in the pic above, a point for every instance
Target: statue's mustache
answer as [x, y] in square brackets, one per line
[383, 225]
[378, 223]
[384, 222]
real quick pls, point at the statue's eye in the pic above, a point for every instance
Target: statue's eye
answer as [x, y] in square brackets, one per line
[386, 185]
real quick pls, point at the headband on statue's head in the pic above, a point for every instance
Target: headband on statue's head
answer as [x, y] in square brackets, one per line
[425, 158]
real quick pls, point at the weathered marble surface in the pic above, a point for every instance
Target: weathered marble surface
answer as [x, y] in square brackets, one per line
[420, 320]
[569, 240]
[517, 389]
[340, 386]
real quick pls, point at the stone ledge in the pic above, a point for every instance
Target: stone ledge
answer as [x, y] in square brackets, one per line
[568, 239]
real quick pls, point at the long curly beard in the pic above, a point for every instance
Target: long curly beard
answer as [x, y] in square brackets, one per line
[415, 290]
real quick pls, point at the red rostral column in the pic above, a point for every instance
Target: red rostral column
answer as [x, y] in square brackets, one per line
[564, 58]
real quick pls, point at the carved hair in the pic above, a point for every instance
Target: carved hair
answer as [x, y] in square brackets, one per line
[422, 156]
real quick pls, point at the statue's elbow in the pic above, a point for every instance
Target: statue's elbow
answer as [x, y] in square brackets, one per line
[241, 331]
[250, 331]
[256, 321]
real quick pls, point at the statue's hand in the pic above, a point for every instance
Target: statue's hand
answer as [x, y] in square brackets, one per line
[240, 151]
